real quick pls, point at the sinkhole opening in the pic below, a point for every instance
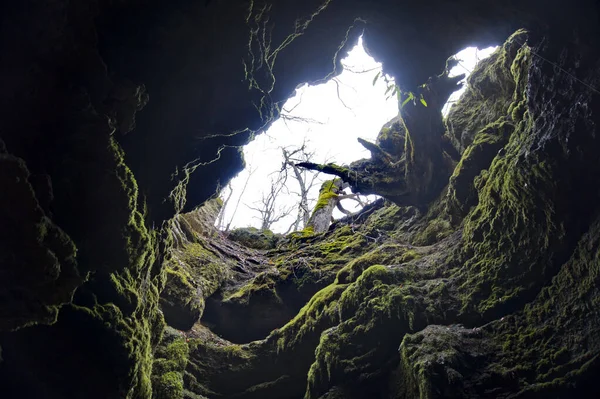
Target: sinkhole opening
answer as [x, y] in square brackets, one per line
[318, 124]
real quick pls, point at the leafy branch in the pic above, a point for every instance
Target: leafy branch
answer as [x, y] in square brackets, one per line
[404, 97]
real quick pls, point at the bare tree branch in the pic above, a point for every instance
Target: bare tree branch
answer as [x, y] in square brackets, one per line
[293, 118]
[337, 85]
[350, 68]
[221, 217]
[267, 208]
[237, 204]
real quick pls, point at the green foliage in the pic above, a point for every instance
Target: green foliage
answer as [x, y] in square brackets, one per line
[393, 89]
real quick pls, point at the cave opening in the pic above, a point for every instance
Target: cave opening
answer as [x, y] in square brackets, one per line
[319, 123]
[323, 122]
[478, 276]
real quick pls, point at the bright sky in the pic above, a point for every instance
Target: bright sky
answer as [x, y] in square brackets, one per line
[468, 58]
[329, 117]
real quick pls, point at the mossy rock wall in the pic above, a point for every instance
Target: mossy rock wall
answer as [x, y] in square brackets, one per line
[120, 115]
[480, 309]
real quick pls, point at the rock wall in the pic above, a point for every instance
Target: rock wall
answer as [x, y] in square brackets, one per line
[119, 115]
[483, 300]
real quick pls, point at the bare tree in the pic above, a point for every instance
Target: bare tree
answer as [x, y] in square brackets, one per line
[221, 217]
[277, 201]
[269, 209]
[290, 179]
[226, 199]
[306, 181]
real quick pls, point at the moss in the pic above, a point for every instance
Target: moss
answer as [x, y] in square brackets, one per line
[461, 195]
[171, 359]
[254, 238]
[389, 218]
[178, 286]
[375, 312]
[320, 218]
[123, 304]
[391, 137]
[293, 275]
[316, 265]
[363, 305]
[544, 339]
[328, 190]
[169, 386]
[207, 270]
[307, 232]
[516, 210]
[132, 338]
[433, 361]
[178, 352]
[344, 241]
[138, 238]
[136, 321]
[319, 313]
[506, 193]
[435, 231]
[264, 284]
[214, 366]
[485, 117]
[384, 254]
[489, 93]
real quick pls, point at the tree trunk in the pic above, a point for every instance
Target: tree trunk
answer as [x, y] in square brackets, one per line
[328, 198]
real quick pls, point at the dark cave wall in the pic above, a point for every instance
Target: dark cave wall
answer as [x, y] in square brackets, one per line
[189, 56]
[83, 189]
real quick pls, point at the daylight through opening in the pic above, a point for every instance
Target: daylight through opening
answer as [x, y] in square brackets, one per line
[321, 124]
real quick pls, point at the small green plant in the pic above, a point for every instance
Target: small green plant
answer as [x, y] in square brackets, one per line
[394, 90]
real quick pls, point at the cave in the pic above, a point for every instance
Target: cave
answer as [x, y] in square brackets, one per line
[475, 275]
[319, 122]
